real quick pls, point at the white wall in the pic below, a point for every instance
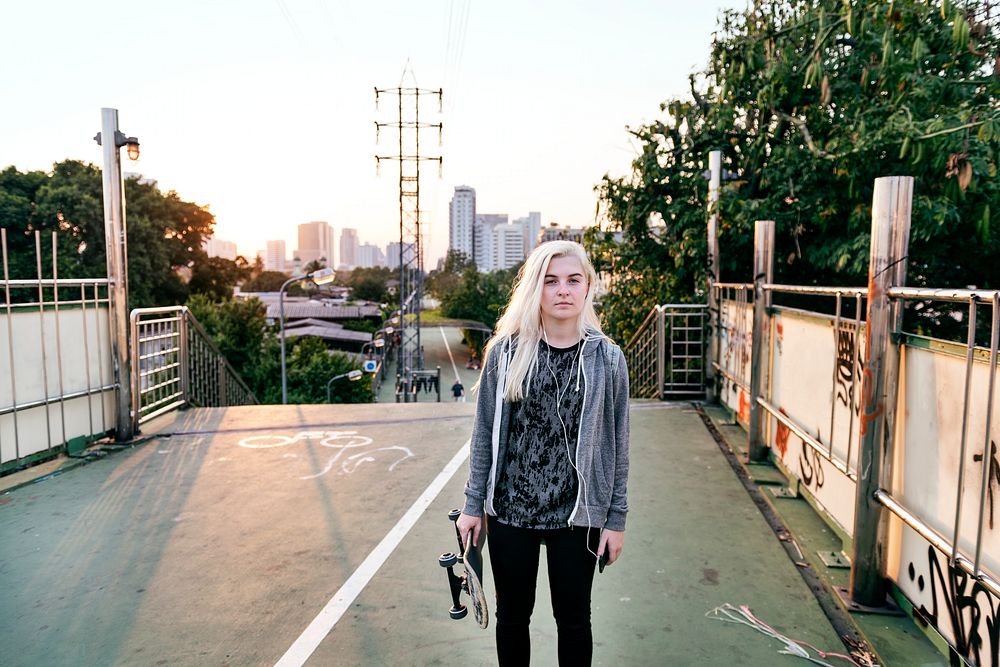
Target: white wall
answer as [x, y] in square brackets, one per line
[83, 337]
[924, 471]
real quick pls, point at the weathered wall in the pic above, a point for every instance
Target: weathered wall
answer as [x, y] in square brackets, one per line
[811, 382]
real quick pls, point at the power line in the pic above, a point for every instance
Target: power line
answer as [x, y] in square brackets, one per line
[290, 20]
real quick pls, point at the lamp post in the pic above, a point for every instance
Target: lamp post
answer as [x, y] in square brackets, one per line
[353, 376]
[110, 139]
[378, 344]
[320, 277]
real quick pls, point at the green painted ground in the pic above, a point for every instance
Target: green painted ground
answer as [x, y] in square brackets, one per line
[206, 547]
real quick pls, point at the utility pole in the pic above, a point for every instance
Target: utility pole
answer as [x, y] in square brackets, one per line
[410, 357]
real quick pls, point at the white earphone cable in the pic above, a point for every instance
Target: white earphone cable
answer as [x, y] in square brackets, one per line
[560, 393]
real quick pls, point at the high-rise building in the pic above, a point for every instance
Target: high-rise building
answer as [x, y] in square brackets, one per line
[315, 243]
[392, 254]
[275, 257]
[532, 224]
[462, 221]
[368, 256]
[484, 253]
[508, 245]
[219, 248]
[348, 247]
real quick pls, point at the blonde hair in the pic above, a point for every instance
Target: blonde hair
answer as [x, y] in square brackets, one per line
[522, 319]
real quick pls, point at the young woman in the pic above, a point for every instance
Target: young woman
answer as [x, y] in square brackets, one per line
[549, 458]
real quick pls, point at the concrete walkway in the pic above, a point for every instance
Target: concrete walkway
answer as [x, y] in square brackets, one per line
[222, 538]
[443, 347]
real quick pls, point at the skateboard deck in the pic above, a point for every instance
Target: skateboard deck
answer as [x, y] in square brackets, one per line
[470, 581]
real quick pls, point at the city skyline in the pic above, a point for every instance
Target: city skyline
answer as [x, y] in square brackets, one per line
[353, 251]
[265, 112]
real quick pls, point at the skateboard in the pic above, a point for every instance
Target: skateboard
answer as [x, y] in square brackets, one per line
[471, 582]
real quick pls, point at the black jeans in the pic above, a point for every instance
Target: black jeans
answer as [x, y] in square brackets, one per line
[514, 554]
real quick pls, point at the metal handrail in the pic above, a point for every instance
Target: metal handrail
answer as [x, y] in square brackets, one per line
[184, 366]
[643, 355]
[815, 289]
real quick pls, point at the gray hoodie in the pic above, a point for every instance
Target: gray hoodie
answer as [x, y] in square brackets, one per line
[602, 441]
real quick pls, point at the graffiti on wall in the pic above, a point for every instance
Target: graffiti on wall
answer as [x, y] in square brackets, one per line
[811, 468]
[962, 606]
[846, 366]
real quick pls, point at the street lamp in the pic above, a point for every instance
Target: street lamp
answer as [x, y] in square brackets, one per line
[116, 246]
[353, 376]
[378, 344]
[320, 277]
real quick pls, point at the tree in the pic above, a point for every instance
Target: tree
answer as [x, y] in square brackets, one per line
[310, 368]
[480, 297]
[441, 284]
[215, 277]
[265, 281]
[315, 265]
[809, 103]
[370, 284]
[165, 234]
[237, 326]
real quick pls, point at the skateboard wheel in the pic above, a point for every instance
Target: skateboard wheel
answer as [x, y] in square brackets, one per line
[447, 559]
[458, 612]
[454, 514]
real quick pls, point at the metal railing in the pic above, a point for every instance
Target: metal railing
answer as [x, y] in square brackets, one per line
[175, 363]
[642, 352]
[57, 365]
[951, 546]
[871, 383]
[666, 356]
[849, 348]
[847, 341]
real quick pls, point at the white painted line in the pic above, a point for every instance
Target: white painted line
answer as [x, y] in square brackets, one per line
[448, 347]
[321, 626]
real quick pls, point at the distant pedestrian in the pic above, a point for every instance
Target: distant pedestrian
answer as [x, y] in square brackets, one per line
[458, 391]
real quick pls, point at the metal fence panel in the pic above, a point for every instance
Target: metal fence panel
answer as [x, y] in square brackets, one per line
[56, 379]
[175, 363]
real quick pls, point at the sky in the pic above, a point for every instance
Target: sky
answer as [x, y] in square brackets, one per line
[264, 110]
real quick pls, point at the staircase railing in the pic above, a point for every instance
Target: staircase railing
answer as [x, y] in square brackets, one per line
[666, 355]
[175, 363]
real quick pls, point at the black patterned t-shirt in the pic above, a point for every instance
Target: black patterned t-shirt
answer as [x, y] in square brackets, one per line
[537, 487]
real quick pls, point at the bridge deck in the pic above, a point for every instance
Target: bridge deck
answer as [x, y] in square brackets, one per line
[222, 538]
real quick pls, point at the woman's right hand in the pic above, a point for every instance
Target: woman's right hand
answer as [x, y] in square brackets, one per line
[469, 524]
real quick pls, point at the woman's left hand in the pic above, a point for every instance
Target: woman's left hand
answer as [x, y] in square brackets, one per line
[612, 542]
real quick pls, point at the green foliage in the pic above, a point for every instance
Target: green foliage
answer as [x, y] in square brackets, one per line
[239, 329]
[370, 284]
[310, 368]
[441, 284]
[315, 265]
[237, 326]
[215, 277]
[479, 296]
[164, 233]
[809, 103]
[266, 281]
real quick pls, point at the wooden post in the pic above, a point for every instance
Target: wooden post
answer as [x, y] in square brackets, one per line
[763, 270]
[891, 205]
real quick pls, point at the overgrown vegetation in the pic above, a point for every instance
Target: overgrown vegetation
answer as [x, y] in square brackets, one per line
[809, 103]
